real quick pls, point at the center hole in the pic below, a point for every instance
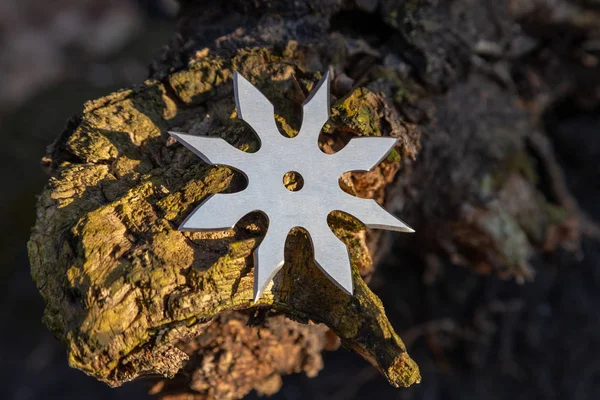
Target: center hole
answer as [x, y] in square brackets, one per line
[293, 181]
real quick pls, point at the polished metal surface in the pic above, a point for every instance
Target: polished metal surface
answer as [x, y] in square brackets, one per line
[285, 209]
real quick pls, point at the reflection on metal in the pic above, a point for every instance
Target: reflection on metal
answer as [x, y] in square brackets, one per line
[308, 207]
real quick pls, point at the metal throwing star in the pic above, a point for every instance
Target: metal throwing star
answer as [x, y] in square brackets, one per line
[307, 208]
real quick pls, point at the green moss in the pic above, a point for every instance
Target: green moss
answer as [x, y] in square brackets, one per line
[283, 125]
[210, 180]
[393, 156]
[203, 79]
[91, 145]
[358, 112]
[404, 370]
[516, 162]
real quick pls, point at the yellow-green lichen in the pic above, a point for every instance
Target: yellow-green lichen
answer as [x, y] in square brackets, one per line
[358, 112]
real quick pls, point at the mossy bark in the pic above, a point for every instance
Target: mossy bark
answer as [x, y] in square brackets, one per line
[124, 287]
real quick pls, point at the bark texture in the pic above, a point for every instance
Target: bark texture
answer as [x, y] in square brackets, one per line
[124, 287]
[130, 295]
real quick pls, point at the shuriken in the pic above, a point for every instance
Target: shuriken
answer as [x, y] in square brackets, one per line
[307, 208]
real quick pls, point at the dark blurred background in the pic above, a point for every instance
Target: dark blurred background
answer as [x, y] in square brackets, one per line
[538, 340]
[54, 56]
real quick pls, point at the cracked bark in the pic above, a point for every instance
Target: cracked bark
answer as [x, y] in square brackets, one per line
[131, 296]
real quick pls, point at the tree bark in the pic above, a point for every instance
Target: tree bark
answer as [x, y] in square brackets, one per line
[129, 295]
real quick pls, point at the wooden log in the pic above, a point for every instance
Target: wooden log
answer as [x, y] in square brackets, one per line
[124, 287]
